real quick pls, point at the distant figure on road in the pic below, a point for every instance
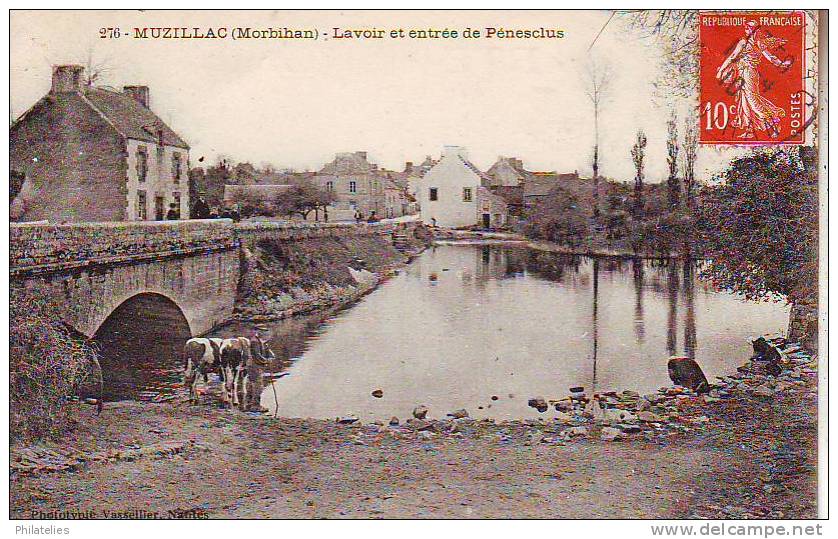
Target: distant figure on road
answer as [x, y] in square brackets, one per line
[174, 212]
[200, 210]
[373, 218]
[358, 216]
[433, 222]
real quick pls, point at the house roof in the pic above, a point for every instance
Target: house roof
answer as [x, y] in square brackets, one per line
[130, 118]
[539, 184]
[127, 116]
[349, 163]
[474, 169]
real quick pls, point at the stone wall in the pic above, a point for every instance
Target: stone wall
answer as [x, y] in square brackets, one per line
[73, 162]
[50, 246]
[803, 326]
[95, 267]
[35, 247]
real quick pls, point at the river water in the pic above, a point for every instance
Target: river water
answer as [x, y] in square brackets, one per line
[486, 327]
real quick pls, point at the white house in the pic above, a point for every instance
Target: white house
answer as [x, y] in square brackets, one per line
[452, 194]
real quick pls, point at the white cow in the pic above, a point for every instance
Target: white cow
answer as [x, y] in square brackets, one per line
[201, 356]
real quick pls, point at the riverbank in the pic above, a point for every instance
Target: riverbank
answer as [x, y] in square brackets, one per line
[280, 280]
[544, 246]
[748, 450]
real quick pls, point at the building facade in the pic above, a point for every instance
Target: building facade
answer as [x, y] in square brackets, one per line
[507, 172]
[356, 183]
[93, 154]
[452, 194]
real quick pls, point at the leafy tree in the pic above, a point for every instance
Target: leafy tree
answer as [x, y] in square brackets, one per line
[211, 181]
[759, 227]
[559, 218]
[302, 199]
[250, 203]
[245, 173]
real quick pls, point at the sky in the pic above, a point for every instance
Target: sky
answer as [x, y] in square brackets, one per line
[295, 103]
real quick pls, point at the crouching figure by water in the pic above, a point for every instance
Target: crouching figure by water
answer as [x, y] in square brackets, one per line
[685, 372]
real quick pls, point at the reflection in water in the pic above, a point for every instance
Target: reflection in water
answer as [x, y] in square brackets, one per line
[594, 325]
[690, 340]
[465, 322]
[637, 278]
[672, 297]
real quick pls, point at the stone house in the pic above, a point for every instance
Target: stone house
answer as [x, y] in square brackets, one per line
[396, 202]
[93, 154]
[357, 184]
[507, 172]
[453, 194]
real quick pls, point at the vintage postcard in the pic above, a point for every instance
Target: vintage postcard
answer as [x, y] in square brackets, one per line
[418, 264]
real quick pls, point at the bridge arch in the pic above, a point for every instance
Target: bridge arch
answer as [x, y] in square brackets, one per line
[140, 343]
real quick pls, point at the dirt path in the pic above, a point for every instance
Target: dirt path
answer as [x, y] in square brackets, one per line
[752, 457]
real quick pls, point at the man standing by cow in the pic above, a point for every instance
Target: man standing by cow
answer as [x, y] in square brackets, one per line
[239, 361]
[260, 357]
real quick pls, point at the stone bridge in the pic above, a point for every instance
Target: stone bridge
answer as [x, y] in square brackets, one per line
[150, 273]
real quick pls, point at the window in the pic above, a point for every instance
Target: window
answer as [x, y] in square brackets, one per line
[466, 194]
[352, 187]
[141, 210]
[176, 200]
[432, 194]
[176, 167]
[330, 186]
[142, 163]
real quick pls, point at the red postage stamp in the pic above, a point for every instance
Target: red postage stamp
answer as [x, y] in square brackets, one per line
[751, 76]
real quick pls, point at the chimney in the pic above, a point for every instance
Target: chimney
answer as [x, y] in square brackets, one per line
[362, 155]
[408, 165]
[66, 79]
[139, 93]
[453, 151]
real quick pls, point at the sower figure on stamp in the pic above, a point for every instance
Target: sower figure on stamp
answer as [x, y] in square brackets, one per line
[260, 357]
[754, 112]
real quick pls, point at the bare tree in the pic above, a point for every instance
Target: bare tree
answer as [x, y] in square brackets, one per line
[95, 69]
[676, 30]
[638, 153]
[673, 183]
[689, 156]
[598, 84]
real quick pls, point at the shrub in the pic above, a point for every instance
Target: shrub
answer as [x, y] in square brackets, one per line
[759, 228]
[47, 364]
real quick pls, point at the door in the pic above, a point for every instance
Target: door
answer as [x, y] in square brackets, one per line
[158, 208]
[486, 221]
